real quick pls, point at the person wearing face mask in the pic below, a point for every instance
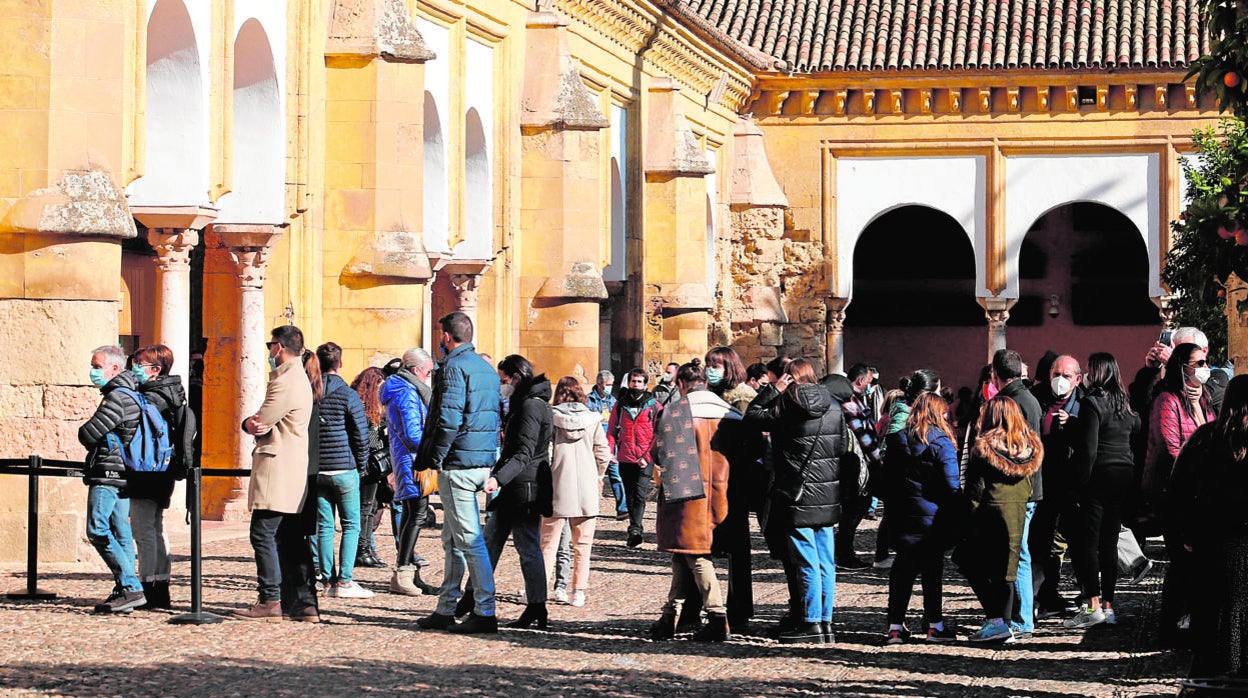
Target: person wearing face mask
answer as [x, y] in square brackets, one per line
[1102, 468]
[630, 434]
[1059, 400]
[279, 485]
[666, 390]
[1180, 408]
[108, 505]
[150, 492]
[725, 376]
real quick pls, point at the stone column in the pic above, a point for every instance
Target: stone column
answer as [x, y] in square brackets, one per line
[835, 336]
[997, 311]
[467, 293]
[237, 378]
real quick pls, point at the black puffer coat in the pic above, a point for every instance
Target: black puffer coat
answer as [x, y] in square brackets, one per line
[807, 436]
[344, 428]
[523, 470]
[166, 394]
[118, 414]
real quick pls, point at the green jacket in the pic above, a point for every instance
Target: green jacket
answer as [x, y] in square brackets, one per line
[998, 485]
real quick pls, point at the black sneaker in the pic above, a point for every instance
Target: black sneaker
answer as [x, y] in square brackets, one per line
[476, 624]
[809, 633]
[945, 634]
[121, 601]
[852, 562]
[634, 540]
[436, 621]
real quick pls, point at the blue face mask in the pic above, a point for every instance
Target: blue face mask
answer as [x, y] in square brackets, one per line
[272, 363]
[140, 374]
[714, 375]
[97, 377]
[442, 348]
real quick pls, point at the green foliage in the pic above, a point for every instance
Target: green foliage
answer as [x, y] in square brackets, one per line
[1224, 72]
[1205, 249]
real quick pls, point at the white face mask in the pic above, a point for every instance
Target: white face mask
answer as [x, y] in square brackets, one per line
[1061, 386]
[1201, 374]
[506, 390]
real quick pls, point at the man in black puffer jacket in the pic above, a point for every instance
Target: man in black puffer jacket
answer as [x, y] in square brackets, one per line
[108, 510]
[808, 439]
[343, 440]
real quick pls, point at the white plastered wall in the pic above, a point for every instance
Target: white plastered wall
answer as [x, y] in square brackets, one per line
[436, 173]
[259, 148]
[479, 166]
[617, 270]
[867, 188]
[1129, 183]
[175, 169]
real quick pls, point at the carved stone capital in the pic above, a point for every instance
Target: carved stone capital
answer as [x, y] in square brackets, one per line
[836, 314]
[997, 311]
[467, 290]
[173, 247]
[252, 263]
[249, 247]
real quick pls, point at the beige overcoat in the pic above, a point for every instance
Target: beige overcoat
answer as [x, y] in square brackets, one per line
[279, 462]
[579, 457]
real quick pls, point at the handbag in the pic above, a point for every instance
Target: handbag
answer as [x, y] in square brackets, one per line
[378, 465]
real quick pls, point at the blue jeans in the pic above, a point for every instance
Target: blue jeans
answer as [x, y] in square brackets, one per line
[617, 487]
[462, 541]
[340, 492]
[108, 529]
[813, 551]
[1025, 621]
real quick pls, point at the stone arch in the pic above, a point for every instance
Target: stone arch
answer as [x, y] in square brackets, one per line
[847, 263]
[259, 143]
[617, 270]
[435, 178]
[478, 188]
[175, 168]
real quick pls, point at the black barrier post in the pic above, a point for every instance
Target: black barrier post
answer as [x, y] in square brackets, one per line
[197, 616]
[32, 592]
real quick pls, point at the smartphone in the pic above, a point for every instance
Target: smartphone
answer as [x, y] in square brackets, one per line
[1165, 337]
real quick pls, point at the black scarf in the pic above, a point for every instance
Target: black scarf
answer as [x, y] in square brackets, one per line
[632, 398]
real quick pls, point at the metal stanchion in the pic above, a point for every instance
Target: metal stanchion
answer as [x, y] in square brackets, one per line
[197, 616]
[32, 591]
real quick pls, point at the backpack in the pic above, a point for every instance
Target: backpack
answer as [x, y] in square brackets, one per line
[149, 450]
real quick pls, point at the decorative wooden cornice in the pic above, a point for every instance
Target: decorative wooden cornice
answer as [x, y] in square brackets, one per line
[640, 28]
[1003, 93]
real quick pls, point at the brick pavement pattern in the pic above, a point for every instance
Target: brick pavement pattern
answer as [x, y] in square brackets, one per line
[373, 646]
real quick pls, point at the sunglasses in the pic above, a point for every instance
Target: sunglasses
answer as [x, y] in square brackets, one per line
[1199, 364]
[270, 345]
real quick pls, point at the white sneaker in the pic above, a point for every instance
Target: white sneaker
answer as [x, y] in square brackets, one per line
[561, 595]
[578, 598]
[1085, 618]
[350, 590]
[884, 564]
[1142, 572]
[1185, 623]
[1110, 617]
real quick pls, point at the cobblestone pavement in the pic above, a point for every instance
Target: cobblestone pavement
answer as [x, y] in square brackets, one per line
[372, 646]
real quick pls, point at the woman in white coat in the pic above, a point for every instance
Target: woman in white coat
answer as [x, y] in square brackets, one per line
[579, 457]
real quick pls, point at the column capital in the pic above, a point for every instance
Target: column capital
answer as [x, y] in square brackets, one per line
[173, 247]
[467, 289]
[836, 313]
[1166, 308]
[997, 310]
[174, 217]
[249, 247]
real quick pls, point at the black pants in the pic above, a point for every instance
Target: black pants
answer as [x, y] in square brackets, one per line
[637, 483]
[927, 559]
[883, 536]
[852, 515]
[732, 540]
[412, 519]
[1047, 547]
[1094, 548]
[368, 508]
[283, 559]
[995, 594]
[1180, 584]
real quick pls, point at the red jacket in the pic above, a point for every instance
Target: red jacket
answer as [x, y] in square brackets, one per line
[630, 432]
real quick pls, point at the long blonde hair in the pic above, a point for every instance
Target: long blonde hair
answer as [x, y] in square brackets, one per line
[929, 410]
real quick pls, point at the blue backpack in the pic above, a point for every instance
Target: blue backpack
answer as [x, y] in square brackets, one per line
[149, 450]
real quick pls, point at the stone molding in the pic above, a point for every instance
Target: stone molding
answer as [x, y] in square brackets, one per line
[626, 25]
[753, 181]
[579, 281]
[399, 255]
[84, 201]
[174, 217]
[554, 95]
[375, 29]
[683, 297]
[671, 146]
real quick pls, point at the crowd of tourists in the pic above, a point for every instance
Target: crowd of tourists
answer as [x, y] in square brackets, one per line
[1002, 482]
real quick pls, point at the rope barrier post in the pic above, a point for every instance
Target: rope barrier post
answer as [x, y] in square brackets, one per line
[32, 592]
[197, 616]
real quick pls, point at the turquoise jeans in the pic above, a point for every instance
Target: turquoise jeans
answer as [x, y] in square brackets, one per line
[339, 493]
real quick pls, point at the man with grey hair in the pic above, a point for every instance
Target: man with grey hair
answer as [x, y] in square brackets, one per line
[1144, 388]
[108, 511]
[601, 400]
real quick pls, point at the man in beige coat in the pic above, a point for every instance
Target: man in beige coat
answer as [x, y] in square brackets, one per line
[279, 477]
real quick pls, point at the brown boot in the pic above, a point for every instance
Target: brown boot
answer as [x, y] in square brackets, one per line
[716, 629]
[304, 614]
[266, 611]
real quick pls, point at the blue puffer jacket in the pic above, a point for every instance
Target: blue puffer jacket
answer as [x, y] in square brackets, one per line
[405, 420]
[462, 431]
[344, 428]
[922, 480]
